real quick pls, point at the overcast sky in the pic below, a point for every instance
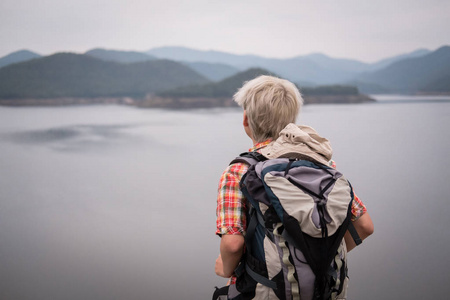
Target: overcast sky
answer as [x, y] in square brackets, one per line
[364, 30]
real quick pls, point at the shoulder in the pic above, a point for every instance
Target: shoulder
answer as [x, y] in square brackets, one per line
[235, 170]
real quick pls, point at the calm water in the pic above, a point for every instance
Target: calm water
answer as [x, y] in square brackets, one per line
[111, 202]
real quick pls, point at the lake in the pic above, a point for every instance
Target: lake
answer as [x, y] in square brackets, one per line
[116, 202]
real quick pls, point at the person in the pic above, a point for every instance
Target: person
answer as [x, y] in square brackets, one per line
[270, 104]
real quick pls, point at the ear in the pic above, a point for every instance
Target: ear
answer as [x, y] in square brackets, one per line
[247, 129]
[245, 122]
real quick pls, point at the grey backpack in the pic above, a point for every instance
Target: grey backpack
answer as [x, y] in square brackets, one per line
[298, 213]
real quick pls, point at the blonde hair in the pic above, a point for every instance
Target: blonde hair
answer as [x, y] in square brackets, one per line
[270, 104]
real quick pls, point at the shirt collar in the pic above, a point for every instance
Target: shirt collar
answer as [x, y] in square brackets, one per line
[260, 145]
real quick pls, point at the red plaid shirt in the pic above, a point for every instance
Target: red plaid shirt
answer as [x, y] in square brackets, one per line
[231, 204]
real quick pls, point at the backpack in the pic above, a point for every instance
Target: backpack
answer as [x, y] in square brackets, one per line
[298, 212]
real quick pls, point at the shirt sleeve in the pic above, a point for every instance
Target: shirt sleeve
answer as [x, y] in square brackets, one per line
[358, 208]
[231, 207]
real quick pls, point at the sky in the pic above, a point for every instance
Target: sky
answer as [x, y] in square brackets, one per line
[364, 30]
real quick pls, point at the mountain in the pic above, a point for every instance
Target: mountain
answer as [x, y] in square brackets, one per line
[224, 88]
[211, 56]
[301, 69]
[18, 56]
[313, 69]
[343, 64]
[74, 75]
[215, 94]
[428, 73]
[369, 88]
[230, 85]
[297, 69]
[112, 73]
[219, 94]
[390, 60]
[119, 56]
[213, 71]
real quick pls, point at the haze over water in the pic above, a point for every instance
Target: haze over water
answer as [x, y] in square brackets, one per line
[112, 202]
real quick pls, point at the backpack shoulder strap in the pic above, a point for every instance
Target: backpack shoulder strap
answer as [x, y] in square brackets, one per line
[354, 233]
[249, 158]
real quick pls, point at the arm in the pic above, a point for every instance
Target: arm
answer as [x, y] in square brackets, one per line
[364, 227]
[231, 221]
[231, 250]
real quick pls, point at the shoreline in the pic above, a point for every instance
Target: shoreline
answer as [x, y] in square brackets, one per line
[152, 101]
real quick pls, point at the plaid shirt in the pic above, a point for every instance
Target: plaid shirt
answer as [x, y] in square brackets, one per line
[231, 204]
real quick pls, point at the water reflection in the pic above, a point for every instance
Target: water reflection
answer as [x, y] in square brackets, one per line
[76, 137]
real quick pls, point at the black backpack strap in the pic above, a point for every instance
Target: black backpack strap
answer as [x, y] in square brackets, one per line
[221, 293]
[250, 158]
[351, 228]
[261, 279]
[254, 218]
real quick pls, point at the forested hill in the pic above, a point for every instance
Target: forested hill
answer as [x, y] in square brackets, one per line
[74, 75]
[220, 93]
[223, 88]
[429, 73]
[229, 86]
[421, 71]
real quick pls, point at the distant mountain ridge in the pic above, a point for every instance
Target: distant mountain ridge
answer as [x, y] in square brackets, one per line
[119, 56]
[324, 61]
[224, 88]
[228, 86]
[308, 70]
[210, 56]
[420, 71]
[390, 60]
[213, 71]
[18, 56]
[313, 69]
[192, 55]
[219, 94]
[76, 75]
[427, 73]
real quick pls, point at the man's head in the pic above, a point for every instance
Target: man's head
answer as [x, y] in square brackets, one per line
[270, 103]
